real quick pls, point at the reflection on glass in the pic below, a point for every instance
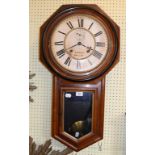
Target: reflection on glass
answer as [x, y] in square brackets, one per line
[77, 113]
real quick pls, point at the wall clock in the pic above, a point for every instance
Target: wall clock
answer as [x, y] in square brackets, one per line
[79, 45]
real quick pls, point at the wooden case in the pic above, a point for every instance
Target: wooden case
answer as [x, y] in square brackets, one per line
[91, 81]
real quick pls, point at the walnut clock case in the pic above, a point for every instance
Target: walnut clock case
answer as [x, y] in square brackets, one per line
[79, 45]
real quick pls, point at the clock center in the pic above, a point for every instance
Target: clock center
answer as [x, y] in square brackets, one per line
[79, 43]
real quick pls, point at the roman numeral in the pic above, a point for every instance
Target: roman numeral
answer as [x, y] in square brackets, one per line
[80, 22]
[67, 61]
[62, 32]
[100, 44]
[78, 65]
[98, 33]
[89, 62]
[60, 53]
[90, 26]
[70, 25]
[59, 43]
[97, 54]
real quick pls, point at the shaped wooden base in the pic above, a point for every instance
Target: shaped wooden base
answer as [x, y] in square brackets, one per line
[60, 87]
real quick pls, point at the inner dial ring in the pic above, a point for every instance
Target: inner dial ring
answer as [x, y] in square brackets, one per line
[76, 44]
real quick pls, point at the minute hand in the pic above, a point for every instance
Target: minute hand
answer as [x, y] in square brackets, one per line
[71, 47]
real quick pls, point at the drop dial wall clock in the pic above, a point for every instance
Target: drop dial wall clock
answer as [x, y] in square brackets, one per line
[79, 45]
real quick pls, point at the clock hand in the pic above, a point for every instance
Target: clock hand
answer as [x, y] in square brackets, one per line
[79, 43]
[89, 48]
[71, 46]
[83, 45]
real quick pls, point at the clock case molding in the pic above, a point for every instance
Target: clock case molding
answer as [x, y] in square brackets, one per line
[92, 81]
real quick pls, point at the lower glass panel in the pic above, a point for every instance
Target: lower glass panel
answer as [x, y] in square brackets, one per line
[77, 113]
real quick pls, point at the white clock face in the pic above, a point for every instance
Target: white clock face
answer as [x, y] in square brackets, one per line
[79, 43]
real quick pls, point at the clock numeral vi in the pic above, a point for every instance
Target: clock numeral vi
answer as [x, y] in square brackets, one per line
[100, 44]
[78, 65]
[59, 43]
[98, 33]
[60, 53]
[70, 25]
[97, 54]
[80, 22]
[67, 61]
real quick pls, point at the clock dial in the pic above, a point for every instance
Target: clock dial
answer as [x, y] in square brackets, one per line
[79, 43]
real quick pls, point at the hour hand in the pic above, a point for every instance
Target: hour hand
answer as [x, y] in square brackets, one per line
[89, 48]
[82, 45]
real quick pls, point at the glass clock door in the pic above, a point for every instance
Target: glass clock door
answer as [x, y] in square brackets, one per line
[78, 113]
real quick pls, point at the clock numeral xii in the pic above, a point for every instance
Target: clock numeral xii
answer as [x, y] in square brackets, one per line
[80, 22]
